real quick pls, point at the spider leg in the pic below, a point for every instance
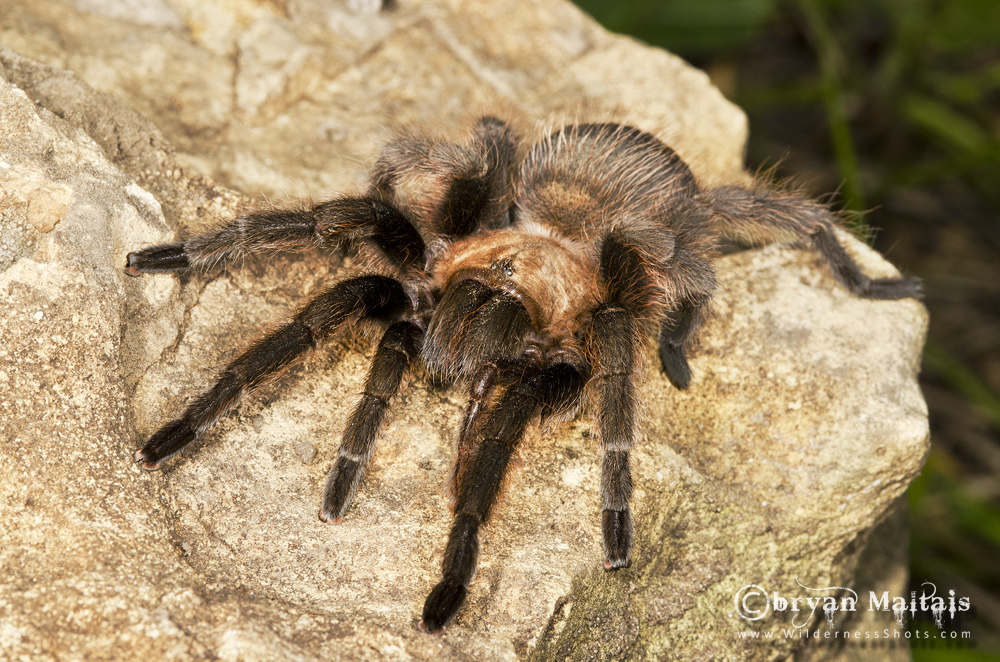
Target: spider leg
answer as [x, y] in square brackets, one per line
[765, 214]
[479, 483]
[614, 339]
[364, 297]
[684, 278]
[369, 219]
[675, 329]
[396, 351]
[480, 392]
[481, 197]
[691, 280]
[614, 343]
[475, 176]
[846, 270]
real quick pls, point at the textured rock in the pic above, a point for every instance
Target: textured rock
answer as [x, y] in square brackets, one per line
[802, 427]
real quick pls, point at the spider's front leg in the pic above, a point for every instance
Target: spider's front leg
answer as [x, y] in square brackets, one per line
[397, 349]
[371, 219]
[478, 484]
[365, 297]
[481, 388]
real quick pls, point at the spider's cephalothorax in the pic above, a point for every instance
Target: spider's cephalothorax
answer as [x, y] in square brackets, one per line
[533, 278]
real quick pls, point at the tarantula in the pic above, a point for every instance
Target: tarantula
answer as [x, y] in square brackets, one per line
[533, 277]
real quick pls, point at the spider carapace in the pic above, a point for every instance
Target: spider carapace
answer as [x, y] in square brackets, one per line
[534, 277]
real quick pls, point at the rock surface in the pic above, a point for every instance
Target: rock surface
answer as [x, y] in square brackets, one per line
[802, 427]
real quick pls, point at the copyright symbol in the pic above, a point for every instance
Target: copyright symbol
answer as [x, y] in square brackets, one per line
[748, 597]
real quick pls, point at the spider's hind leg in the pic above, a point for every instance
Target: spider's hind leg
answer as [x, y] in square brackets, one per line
[765, 214]
[364, 297]
[846, 270]
[676, 329]
[689, 278]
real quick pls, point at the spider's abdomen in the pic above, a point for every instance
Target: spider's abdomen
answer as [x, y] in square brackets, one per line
[583, 179]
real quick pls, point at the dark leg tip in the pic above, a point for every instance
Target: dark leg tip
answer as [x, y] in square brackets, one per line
[131, 267]
[140, 459]
[892, 289]
[167, 441]
[341, 484]
[675, 365]
[616, 527]
[441, 605]
[164, 258]
[617, 563]
[423, 627]
[328, 517]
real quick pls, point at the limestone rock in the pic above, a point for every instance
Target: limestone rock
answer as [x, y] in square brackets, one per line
[802, 427]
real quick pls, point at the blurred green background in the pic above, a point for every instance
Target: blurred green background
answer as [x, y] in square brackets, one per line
[896, 105]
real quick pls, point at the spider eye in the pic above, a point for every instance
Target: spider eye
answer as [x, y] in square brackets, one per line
[474, 323]
[503, 266]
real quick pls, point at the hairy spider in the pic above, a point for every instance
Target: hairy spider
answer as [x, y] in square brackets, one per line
[533, 277]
